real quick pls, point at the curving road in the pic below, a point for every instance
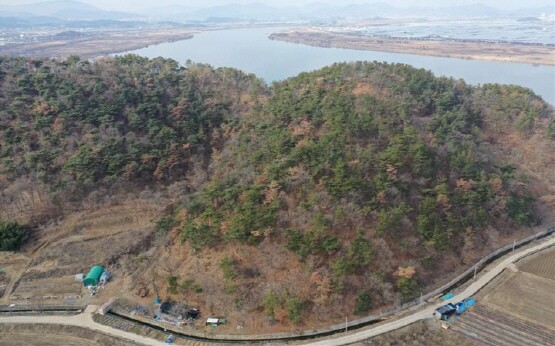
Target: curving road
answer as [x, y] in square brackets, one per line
[85, 320]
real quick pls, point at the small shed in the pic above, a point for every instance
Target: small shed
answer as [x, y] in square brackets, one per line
[212, 321]
[215, 321]
[93, 276]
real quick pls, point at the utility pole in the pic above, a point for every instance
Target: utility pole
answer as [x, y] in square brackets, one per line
[420, 297]
[476, 267]
[514, 244]
[346, 324]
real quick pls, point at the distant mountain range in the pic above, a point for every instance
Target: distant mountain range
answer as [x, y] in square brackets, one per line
[63, 9]
[76, 10]
[320, 10]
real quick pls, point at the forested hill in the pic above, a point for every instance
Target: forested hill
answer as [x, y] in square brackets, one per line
[373, 178]
[377, 177]
[70, 127]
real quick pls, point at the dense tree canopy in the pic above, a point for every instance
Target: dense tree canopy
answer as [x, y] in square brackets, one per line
[76, 125]
[12, 235]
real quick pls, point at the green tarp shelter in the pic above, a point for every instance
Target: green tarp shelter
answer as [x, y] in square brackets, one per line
[93, 276]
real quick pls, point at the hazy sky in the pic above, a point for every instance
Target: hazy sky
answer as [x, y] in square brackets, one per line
[137, 5]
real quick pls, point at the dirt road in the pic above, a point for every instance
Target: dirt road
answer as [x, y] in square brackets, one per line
[85, 319]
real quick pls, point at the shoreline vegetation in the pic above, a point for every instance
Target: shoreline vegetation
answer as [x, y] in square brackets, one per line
[98, 44]
[460, 49]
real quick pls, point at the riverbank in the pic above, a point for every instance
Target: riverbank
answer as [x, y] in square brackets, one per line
[98, 43]
[475, 50]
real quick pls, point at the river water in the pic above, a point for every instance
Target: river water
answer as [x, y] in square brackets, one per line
[250, 50]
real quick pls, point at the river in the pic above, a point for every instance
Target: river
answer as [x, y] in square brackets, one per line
[250, 50]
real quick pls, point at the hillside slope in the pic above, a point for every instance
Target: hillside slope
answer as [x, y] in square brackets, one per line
[330, 194]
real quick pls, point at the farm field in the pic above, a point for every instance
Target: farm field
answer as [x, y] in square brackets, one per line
[54, 288]
[490, 326]
[427, 333]
[48, 335]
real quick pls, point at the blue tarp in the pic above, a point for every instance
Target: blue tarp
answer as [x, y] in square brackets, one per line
[448, 296]
[469, 302]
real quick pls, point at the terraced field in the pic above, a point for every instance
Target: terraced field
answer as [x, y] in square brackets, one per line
[64, 288]
[111, 235]
[543, 265]
[490, 326]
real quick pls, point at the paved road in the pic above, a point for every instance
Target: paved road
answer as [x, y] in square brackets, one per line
[85, 319]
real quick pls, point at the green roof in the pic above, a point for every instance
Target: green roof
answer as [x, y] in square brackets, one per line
[93, 276]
